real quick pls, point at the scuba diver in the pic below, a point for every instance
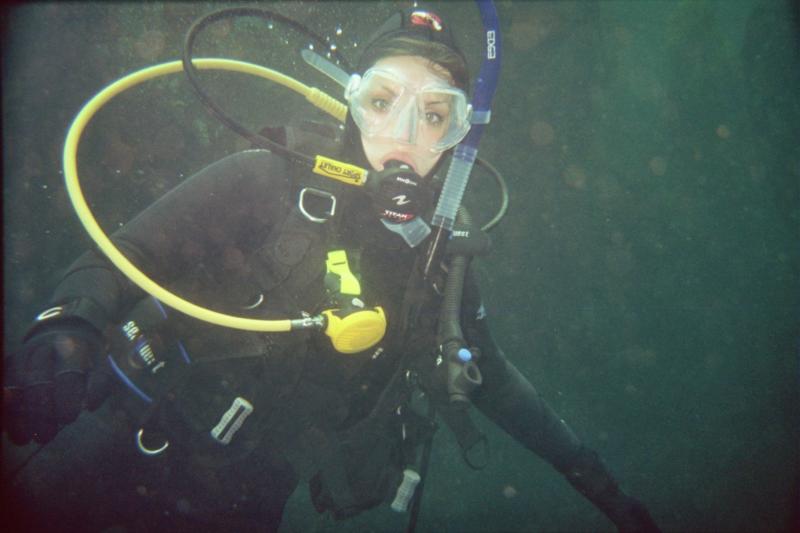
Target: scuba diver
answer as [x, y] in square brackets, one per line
[197, 425]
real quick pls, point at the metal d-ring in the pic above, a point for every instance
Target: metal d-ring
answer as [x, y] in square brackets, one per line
[148, 451]
[258, 302]
[320, 194]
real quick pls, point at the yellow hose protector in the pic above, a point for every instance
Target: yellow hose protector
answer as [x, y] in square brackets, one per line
[101, 239]
[337, 264]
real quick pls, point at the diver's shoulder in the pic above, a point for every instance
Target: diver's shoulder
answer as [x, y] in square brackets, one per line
[253, 163]
[261, 157]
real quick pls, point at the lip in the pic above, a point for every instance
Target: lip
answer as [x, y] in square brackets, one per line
[399, 156]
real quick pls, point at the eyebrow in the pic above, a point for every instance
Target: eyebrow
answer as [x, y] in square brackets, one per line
[388, 89]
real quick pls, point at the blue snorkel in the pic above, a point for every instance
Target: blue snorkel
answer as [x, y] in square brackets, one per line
[467, 150]
[454, 356]
[462, 372]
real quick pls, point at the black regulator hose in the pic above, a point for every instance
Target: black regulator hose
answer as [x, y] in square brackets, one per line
[216, 110]
[501, 183]
[262, 141]
[463, 374]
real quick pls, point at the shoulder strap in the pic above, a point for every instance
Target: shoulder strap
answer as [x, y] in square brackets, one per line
[308, 137]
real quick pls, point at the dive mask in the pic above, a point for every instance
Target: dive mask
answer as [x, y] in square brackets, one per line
[386, 104]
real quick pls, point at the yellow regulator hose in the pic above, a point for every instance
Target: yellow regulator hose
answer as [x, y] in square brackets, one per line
[318, 98]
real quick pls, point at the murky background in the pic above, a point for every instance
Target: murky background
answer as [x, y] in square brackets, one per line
[645, 278]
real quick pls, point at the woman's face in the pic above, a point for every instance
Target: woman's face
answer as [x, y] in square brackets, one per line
[408, 136]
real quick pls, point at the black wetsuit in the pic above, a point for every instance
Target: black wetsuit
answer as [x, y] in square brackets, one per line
[219, 239]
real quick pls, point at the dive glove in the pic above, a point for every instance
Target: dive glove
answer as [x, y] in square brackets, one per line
[633, 517]
[52, 378]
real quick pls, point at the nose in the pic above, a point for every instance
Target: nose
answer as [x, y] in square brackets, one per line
[405, 129]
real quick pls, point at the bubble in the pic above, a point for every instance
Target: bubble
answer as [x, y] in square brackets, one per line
[21, 246]
[232, 258]
[758, 172]
[119, 154]
[640, 357]
[658, 165]
[221, 29]
[538, 25]
[26, 292]
[338, 30]
[620, 261]
[333, 47]
[141, 490]
[310, 46]
[192, 251]
[65, 345]
[509, 491]
[712, 361]
[723, 131]
[623, 35]
[575, 177]
[150, 44]
[270, 25]
[542, 133]
[183, 506]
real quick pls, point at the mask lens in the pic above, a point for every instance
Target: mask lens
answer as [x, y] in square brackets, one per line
[374, 104]
[443, 117]
[382, 105]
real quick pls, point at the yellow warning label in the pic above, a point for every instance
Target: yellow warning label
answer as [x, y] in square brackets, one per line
[330, 168]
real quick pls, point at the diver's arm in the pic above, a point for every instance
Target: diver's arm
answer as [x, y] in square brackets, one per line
[225, 208]
[508, 399]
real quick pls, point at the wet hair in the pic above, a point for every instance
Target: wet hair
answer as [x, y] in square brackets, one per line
[440, 55]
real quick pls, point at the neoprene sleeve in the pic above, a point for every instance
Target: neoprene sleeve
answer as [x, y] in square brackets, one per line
[223, 210]
[509, 400]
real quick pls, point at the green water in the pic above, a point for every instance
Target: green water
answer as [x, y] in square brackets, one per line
[645, 278]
